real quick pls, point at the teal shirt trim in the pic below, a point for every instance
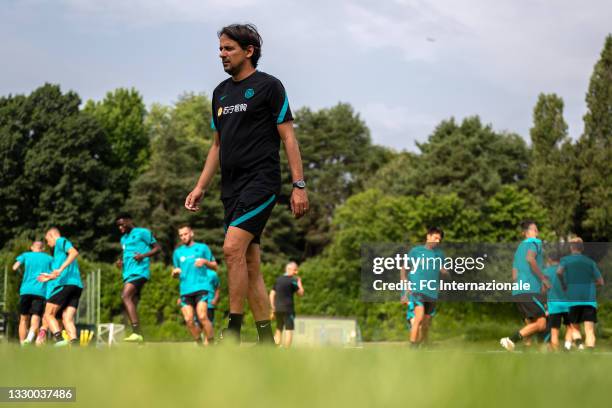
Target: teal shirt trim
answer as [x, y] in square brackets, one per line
[283, 112]
[252, 213]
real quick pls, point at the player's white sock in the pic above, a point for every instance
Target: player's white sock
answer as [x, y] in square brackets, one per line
[31, 336]
[568, 345]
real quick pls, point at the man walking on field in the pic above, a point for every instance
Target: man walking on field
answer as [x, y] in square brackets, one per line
[251, 116]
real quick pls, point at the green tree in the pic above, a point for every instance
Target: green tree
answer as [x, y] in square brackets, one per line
[121, 114]
[338, 156]
[158, 194]
[58, 169]
[552, 173]
[595, 152]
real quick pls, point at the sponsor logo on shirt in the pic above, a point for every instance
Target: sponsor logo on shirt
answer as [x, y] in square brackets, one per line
[249, 93]
[228, 110]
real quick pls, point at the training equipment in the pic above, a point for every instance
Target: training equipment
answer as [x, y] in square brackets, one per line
[85, 337]
[507, 343]
[108, 333]
[326, 331]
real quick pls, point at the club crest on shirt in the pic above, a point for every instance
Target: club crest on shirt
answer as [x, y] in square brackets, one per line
[249, 93]
[219, 112]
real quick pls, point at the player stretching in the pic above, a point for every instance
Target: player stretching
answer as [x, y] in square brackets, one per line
[578, 275]
[64, 287]
[527, 269]
[191, 263]
[251, 116]
[32, 292]
[138, 245]
[422, 300]
[557, 305]
[281, 299]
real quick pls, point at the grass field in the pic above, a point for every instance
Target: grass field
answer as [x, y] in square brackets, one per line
[181, 375]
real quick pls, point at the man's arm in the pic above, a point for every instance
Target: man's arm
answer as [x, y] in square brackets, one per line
[72, 255]
[16, 265]
[299, 198]
[216, 298]
[531, 260]
[272, 298]
[560, 271]
[209, 264]
[155, 249]
[300, 291]
[210, 168]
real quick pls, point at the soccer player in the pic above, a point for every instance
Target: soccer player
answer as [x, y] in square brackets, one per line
[191, 263]
[281, 299]
[422, 299]
[578, 275]
[32, 292]
[64, 287]
[213, 296]
[557, 305]
[251, 116]
[138, 245]
[527, 269]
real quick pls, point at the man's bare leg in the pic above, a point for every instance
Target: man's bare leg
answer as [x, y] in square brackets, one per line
[202, 312]
[258, 296]
[235, 248]
[194, 330]
[23, 327]
[288, 338]
[68, 319]
[589, 334]
[419, 312]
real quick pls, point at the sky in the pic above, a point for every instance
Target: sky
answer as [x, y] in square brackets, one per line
[404, 65]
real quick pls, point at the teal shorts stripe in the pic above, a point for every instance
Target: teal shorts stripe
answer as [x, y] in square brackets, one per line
[253, 212]
[538, 303]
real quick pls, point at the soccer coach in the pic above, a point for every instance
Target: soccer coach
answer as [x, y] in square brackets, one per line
[250, 116]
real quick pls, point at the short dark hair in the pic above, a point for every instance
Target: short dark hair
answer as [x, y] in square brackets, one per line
[526, 224]
[184, 226]
[245, 35]
[123, 216]
[436, 230]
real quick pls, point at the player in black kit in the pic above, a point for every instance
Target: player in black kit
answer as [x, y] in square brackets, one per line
[251, 116]
[281, 298]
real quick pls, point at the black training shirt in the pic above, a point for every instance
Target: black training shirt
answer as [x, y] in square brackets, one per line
[246, 113]
[284, 287]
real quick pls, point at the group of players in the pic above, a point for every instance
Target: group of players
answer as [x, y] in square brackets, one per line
[51, 286]
[561, 291]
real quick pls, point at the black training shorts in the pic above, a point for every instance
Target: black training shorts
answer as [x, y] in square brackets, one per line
[582, 313]
[192, 299]
[285, 320]
[531, 305]
[68, 295]
[249, 211]
[555, 320]
[31, 305]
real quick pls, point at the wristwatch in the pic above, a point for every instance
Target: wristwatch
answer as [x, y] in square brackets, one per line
[301, 184]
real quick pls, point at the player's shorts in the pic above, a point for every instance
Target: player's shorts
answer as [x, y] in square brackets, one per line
[554, 320]
[192, 299]
[138, 282]
[31, 305]
[582, 313]
[68, 295]
[530, 305]
[249, 212]
[285, 320]
[211, 314]
[419, 299]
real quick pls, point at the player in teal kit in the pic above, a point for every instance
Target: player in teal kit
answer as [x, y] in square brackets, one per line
[64, 287]
[579, 275]
[192, 260]
[527, 269]
[557, 305]
[422, 299]
[32, 293]
[213, 294]
[138, 245]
